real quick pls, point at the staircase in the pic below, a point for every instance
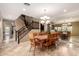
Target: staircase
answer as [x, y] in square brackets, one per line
[29, 25]
[24, 30]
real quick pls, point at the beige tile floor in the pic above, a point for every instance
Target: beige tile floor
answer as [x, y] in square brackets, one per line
[64, 48]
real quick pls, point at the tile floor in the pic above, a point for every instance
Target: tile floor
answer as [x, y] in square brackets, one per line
[64, 48]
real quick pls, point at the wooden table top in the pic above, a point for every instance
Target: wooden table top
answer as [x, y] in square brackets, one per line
[41, 37]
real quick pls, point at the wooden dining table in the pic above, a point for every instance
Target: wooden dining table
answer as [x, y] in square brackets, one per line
[41, 39]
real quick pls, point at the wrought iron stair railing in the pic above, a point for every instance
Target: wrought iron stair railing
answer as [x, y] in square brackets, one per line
[22, 32]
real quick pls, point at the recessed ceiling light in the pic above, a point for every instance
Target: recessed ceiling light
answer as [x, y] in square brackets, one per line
[65, 10]
[24, 9]
[44, 10]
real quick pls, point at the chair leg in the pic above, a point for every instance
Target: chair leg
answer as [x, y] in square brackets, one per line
[48, 49]
[34, 51]
[56, 44]
[30, 48]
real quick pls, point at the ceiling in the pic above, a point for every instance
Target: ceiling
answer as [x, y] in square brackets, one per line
[58, 12]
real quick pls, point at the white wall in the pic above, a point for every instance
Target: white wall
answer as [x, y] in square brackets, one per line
[1, 30]
[75, 29]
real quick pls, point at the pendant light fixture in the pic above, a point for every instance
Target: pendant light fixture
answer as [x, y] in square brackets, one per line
[45, 19]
